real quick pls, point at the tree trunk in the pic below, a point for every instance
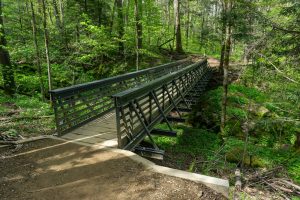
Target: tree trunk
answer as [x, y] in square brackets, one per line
[112, 17]
[168, 13]
[49, 12]
[138, 29]
[227, 51]
[202, 34]
[61, 11]
[46, 37]
[37, 51]
[187, 32]
[126, 18]
[177, 26]
[85, 6]
[58, 22]
[223, 40]
[77, 33]
[138, 23]
[62, 21]
[222, 57]
[20, 14]
[56, 15]
[9, 84]
[297, 142]
[119, 5]
[99, 12]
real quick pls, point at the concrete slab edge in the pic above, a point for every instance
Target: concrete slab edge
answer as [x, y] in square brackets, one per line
[217, 184]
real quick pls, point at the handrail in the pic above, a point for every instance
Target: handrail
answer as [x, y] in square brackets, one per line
[77, 105]
[126, 96]
[115, 79]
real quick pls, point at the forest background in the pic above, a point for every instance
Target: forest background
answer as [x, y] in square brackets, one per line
[49, 44]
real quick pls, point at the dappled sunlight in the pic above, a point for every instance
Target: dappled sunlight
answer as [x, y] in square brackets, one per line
[63, 155]
[95, 158]
[107, 143]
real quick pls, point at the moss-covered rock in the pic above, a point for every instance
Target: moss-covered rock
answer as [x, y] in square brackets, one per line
[235, 155]
[262, 111]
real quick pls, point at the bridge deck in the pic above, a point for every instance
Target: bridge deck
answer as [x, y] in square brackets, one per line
[101, 132]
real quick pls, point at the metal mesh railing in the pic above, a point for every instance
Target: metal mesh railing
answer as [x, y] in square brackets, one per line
[76, 105]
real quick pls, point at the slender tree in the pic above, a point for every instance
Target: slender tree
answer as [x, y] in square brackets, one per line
[187, 31]
[46, 38]
[85, 6]
[37, 50]
[177, 26]
[223, 43]
[9, 84]
[112, 16]
[297, 142]
[119, 5]
[56, 15]
[138, 29]
[227, 7]
[138, 23]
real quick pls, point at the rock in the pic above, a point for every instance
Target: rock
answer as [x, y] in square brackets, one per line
[200, 194]
[235, 155]
[262, 111]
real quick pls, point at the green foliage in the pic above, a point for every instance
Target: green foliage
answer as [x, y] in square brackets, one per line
[27, 83]
[86, 47]
[263, 156]
[190, 141]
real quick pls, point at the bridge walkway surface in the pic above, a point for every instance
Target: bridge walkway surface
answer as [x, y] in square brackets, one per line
[101, 132]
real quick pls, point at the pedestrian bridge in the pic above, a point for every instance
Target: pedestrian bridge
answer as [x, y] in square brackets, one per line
[121, 111]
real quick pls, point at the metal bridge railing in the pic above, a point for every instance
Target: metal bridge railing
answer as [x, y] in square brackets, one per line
[139, 109]
[79, 104]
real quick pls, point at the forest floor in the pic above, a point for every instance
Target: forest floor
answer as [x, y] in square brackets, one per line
[52, 169]
[24, 116]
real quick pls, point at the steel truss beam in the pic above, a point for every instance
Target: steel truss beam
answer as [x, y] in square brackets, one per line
[139, 110]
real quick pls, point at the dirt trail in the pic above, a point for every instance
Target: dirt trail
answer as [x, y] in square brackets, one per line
[213, 62]
[51, 169]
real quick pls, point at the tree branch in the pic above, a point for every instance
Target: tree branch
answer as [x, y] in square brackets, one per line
[278, 70]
